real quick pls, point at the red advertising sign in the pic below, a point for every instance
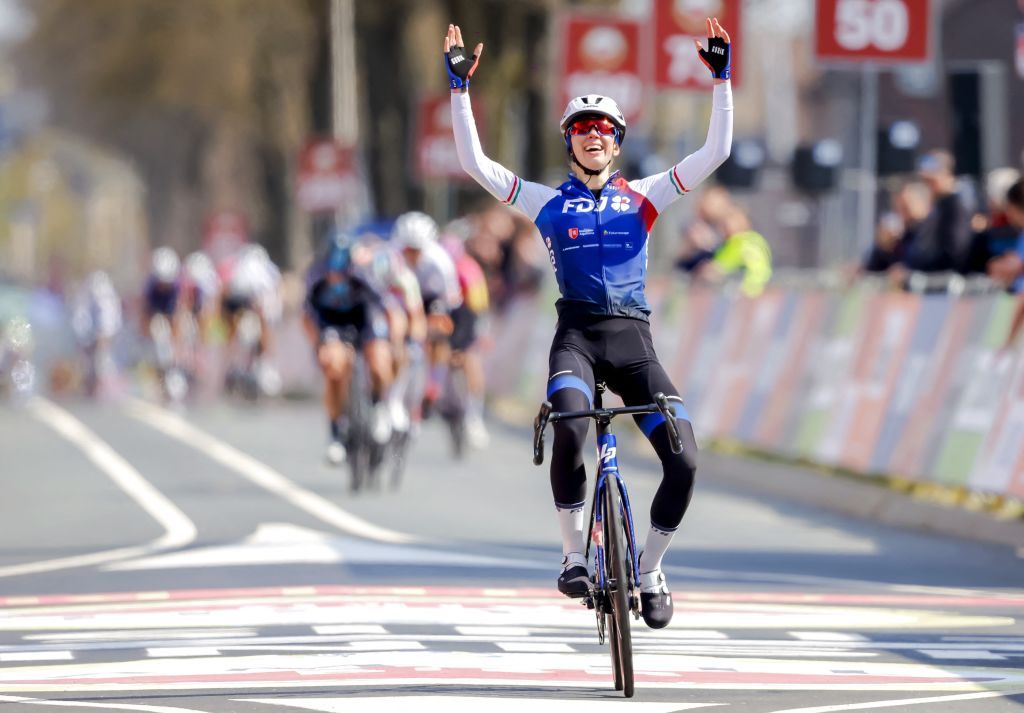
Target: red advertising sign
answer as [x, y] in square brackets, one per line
[327, 176]
[676, 24]
[601, 55]
[873, 30]
[436, 156]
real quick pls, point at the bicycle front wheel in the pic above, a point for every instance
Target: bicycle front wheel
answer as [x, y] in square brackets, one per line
[617, 589]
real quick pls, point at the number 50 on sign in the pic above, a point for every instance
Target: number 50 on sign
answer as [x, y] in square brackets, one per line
[880, 31]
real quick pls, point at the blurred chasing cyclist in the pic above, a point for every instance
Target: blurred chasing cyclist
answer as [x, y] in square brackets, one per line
[596, 226]
[96, 318]
[416, 235]
[466, 320]
[160, 304]
[407, 324]
[344, 312]
[251, 305]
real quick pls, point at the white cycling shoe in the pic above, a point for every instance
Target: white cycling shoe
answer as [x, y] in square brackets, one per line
[380, 424]
[336, 453]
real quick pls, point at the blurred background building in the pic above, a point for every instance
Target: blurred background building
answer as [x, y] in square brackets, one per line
[131, 123]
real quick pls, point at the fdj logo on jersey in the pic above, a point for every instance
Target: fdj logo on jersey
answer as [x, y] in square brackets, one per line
[588, 205]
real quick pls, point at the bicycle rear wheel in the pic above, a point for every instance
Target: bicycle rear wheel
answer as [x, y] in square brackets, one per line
[617, 586]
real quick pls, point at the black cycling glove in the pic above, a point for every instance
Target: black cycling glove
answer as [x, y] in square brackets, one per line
[717, 57]
[460, 67]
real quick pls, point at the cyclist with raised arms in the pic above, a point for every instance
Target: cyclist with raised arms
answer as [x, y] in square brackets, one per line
[596, 226]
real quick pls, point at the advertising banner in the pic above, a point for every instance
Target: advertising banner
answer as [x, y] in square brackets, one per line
[601, 55]
[878, 31]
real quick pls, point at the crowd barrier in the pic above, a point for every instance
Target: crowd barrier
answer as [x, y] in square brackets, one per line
[862, 378]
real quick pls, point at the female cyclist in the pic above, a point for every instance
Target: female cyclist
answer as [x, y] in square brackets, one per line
[595, 227]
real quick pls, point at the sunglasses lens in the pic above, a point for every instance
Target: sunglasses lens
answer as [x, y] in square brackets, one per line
[585, 126]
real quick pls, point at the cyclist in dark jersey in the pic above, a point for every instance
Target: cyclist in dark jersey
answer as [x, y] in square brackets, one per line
[345, 311]
[595, 227]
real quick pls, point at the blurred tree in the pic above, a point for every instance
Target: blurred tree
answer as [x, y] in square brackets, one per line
[210, 98]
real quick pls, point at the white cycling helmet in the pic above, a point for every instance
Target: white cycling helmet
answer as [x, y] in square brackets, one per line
[199, 268]
[594, 104]
[414, 230]
[165, 264]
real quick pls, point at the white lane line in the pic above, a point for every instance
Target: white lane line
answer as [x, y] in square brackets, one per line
[105, 705]
[37, 656]
[531, 647]
[464, 704]
[263, 475]
[374, 629]
[180, 652]
[178, 529]
[826, 636]
[902, 702]
[961, 655]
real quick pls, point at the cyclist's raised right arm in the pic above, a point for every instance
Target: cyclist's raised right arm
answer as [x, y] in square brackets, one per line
[500, 182]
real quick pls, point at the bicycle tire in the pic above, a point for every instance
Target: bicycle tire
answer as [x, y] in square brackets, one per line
[621, 640]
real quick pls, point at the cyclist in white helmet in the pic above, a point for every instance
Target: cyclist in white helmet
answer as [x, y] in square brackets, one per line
[596, 226]
[416, 235]
[252, 287]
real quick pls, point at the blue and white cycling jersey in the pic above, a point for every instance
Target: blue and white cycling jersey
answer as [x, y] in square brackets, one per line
[597, 245]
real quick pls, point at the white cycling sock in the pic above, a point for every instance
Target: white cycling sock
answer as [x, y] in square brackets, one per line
[658, 541]
[570, 522]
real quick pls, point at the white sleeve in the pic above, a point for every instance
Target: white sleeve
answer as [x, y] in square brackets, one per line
[501, 183]
[663, 188]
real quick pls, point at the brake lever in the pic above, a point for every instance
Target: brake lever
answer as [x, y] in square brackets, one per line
[539, 424]
[674, 441]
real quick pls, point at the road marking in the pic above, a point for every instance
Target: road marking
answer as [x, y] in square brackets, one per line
[961, 655]
[37, 656]
[534, 647]
[283, 543]
[263, 475]
[902, 702]
[464, 704]
[140, 635]
[826, 636]
[179, 651]
[373, 629]
[105, 705]
[178, 529]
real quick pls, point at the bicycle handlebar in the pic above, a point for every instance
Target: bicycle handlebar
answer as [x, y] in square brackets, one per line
[670, 422]
[546, 415]
[539, 424]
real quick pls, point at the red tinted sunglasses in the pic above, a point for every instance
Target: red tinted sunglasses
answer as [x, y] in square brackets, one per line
[582, 127]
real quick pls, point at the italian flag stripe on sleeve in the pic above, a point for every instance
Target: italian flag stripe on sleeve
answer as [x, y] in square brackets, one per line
[517, 185]
[676, 183]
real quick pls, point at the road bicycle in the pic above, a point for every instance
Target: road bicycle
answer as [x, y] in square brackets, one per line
[615, 584]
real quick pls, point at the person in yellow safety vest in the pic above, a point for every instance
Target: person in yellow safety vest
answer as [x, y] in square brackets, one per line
[749, 251]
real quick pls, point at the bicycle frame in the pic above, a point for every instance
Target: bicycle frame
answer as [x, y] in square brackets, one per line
[609, 470]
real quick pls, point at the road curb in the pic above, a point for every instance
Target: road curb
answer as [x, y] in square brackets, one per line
[865, 499]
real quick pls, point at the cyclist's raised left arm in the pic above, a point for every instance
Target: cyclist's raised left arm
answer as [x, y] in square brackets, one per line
[663, 188]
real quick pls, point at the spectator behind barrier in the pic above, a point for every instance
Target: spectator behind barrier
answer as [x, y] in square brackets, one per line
[896, 231]
[942, 240]
[993, 235]
[704, 235]
[721, 242]
[1008, 268]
